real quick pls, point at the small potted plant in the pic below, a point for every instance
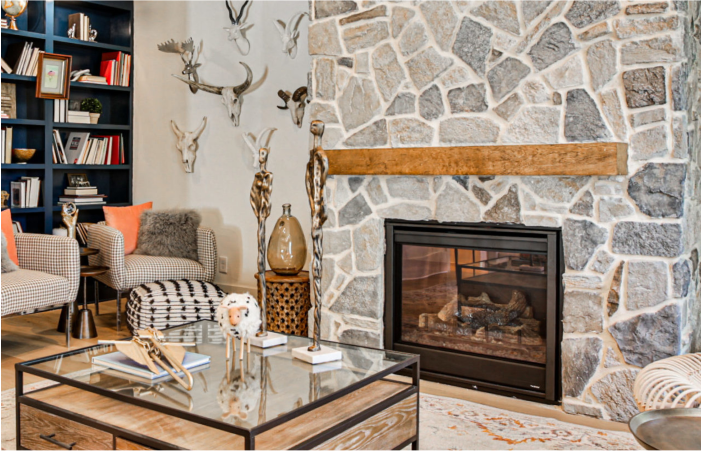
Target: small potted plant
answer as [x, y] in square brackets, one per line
[94, 107]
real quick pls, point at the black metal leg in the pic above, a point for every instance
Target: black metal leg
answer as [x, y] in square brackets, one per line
[19, 391]
[97, 296]
[119, 310]
[69, 314]
[416, 380]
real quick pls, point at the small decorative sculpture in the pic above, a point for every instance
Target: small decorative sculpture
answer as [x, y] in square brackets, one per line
[75, 75]
[13, 9]
[92, 35]
[5, 196]
[289, 34]
[295, 103]
[187, 52]
[239, 395]
[317, 171]
[71, 32]
[239, 317]
[259, 142]
[149, 348]
[237, 28]
[188, 144]
[69, 215]
[232, 96]
[260, 202]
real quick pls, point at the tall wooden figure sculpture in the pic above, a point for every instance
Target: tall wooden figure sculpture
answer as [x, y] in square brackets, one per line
[317, 171]
[260, 202]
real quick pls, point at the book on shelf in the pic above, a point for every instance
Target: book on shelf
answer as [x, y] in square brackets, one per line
[17, 227]
[60, 110]
[25, 192]
[78, 117]
[80, 191]
[23, 58]
[116, 67]
[7, 145]
[60, 156]
[82, 26]
[8, 101]
[6, 67]
[94, 79]
[82, 148]
[83, 200]
[3, 23]
[120, 362]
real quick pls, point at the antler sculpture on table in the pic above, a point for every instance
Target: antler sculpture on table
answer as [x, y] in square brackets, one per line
[187, 52]
[295, 103]
[289, 33]
[232, 96]
[237, 28]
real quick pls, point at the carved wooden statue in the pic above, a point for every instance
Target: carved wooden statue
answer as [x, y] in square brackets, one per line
[69, 215]
[260, 202]
[317, 171]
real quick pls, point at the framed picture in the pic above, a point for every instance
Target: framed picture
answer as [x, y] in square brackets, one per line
[77, 180]
[53, 76]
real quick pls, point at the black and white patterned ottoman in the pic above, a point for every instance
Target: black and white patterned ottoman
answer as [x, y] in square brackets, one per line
[171, 303]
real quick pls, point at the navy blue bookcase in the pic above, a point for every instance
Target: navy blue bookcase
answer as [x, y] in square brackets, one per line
[45, 23]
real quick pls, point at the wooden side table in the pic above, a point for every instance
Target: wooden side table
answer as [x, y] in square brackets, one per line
[288, 303]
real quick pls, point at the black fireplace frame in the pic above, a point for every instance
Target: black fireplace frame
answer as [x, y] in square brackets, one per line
[535, 382]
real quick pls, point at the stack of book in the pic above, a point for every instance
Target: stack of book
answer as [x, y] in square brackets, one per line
[97, 149]
[7, 145]
[25, 192]
[24, 58]
[94, 79]
[78, 117]
[116, 67]
[82, 26]
[82, 195]
[63, 114]
[8, 106]
[3, 23]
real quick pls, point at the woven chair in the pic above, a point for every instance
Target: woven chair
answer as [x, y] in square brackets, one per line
[669, 383]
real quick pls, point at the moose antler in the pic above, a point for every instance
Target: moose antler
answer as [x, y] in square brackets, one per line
[186, 50]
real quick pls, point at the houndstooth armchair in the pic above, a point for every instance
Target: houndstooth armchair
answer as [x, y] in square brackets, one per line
[129, 271]
[49, 275]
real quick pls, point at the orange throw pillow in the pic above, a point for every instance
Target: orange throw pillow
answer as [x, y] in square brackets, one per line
[127, 220]
[9, 232]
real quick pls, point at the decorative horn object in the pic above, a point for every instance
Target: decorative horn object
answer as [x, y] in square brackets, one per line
[289, 33]
[149, 348]
[237, 28]
[232, 96]
[69, 217]
[188, 144]
[295, 103]
[255, 144]
[315, 180]
[190, 54]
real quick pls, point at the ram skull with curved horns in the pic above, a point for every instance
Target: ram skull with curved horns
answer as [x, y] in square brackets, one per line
[232, 96]
[289, 34]
[237, 27]
[187, 51]
[187, 144]
[295, 103]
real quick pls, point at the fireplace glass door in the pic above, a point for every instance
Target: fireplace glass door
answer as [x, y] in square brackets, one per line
[480, 301]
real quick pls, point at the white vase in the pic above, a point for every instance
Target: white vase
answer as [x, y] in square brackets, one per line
[94, 117]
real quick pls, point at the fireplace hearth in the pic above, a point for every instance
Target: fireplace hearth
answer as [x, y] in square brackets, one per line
[480, 304]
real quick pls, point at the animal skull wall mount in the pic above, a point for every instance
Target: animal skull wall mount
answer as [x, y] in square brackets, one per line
[188, 144]
[289, 34]
[295, 103]
[187, 51]
[232, 96]
[261, 142]
[237, 28]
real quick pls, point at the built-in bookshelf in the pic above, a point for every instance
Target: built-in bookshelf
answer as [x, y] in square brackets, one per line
[45, 24]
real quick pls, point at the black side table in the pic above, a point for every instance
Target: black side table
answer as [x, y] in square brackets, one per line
[84, 326]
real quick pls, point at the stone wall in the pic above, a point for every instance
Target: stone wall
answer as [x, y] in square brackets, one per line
[466, 72]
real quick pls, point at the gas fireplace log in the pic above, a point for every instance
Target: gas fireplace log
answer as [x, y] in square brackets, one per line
[493, 314]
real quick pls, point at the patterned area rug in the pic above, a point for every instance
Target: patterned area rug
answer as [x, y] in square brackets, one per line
[448, 423]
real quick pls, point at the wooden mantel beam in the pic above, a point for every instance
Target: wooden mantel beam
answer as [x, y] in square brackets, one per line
[536, 159]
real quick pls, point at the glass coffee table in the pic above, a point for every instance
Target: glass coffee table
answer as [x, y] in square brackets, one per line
[266, 401]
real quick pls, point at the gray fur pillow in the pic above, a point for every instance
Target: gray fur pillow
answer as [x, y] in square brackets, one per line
[7, 264]
[169, 233]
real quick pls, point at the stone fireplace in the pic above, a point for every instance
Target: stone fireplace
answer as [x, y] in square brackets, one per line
[444, 73]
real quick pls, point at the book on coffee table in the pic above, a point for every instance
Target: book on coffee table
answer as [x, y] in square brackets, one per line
[119, 361]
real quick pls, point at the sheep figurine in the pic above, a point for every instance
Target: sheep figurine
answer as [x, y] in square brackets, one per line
[238, 316]
[240, 395]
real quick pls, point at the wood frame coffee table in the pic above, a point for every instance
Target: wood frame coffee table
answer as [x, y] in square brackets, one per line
[267, 401]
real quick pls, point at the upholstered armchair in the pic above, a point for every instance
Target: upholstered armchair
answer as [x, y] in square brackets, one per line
[49, 275]
[129, 271]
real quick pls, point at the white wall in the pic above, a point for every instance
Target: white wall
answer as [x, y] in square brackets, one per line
[220, 186]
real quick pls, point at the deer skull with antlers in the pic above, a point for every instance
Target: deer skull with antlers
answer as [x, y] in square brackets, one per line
[237, 28]
[187, 51]
[232, 96]
[187, 144]
[289, 34]
[295, 103]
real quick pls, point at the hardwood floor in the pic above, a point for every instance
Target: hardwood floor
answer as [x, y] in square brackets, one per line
[32, 336]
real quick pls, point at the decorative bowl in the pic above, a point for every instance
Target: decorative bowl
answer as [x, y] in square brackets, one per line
[23, 155]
